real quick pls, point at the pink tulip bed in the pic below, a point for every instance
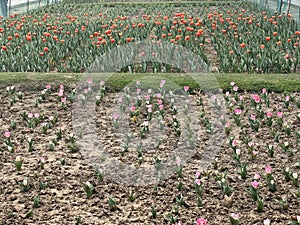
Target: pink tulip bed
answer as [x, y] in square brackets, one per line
[154, 151]
[242, 165]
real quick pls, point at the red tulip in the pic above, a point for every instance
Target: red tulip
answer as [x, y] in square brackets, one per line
[243, 45]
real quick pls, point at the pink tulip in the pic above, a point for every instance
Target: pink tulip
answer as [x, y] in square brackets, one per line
[178, 162]
[201, 221]
[132, 109]
[116, 116]
[254, 184]
[268, 169]
[89, 81]
[61, 93]
[280, 114]
[179, 223]
[161, 107]
[235, 88]
[256, 176]
[264, 90]
[42, 160]
[256, 98]
[269, 115]
[252, 117]
[186, 88]
[234, 143]
[198, 182]
[267, 222]
[102, 83]
[232, 83]
[287, 98]
[197, 174]
[234, 216]
[7, 134]
[237, 111]
[48, 86]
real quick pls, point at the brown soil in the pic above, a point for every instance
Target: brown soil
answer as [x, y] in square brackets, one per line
[63, 199]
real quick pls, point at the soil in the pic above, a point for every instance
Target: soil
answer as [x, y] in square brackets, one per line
[63, 200]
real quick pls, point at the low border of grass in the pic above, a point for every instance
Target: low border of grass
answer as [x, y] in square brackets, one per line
[117, 81]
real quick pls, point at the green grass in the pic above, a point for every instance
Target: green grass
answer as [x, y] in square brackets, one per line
[117, 81]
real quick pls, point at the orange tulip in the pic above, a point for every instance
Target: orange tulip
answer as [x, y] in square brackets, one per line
[177, 37]
[28, 37]
[199, 33]
[108, 32]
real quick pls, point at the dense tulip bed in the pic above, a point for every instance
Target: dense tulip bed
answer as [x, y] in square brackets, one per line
[68, 38]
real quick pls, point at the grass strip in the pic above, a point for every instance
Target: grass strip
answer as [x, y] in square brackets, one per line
[117, 81]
